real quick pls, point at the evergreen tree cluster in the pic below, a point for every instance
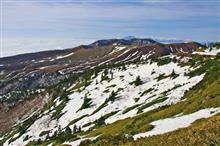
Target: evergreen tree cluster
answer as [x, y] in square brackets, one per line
[138, 81]
[113, 95]
[75, 129]
[86, 103]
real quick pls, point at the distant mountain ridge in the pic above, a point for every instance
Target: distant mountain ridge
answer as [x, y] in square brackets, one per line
[51, 63]
[100, 43]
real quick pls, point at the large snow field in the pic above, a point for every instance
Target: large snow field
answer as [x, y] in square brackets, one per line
[96, 91]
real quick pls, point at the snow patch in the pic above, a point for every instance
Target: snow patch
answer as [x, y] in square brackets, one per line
[171, 124]
[77, 142]
[60, 57]
[208, 51]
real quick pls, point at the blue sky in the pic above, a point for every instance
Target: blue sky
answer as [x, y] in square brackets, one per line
[197, 20]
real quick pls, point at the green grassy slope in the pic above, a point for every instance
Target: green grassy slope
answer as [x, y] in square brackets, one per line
[204, 132]
[203, 95]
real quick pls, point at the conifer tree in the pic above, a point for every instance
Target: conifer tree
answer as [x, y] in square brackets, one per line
[111, 75]
[106, 72]
[68, 130]
[138, 81]
[112, 97]
[123, 67]
[74, 129]
[173, 73]
[100, 121]
[59, 129]
[79, 129]
[55, 134]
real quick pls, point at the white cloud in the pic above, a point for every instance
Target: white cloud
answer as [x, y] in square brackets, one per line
[19, 46]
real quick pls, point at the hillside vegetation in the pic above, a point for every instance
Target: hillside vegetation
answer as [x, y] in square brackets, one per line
[109, 105]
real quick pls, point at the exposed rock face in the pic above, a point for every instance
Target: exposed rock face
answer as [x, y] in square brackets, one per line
[10, 116]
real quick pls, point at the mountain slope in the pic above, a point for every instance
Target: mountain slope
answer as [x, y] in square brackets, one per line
[119, 98]
[59, 64]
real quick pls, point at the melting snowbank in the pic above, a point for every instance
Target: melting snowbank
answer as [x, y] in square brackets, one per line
[77, 142]
[171, 124]
[212, 52]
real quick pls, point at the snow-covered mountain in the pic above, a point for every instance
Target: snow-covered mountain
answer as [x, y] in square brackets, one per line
[110, 92]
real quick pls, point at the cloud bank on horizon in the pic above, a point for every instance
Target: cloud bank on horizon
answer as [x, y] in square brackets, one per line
[99, 19]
